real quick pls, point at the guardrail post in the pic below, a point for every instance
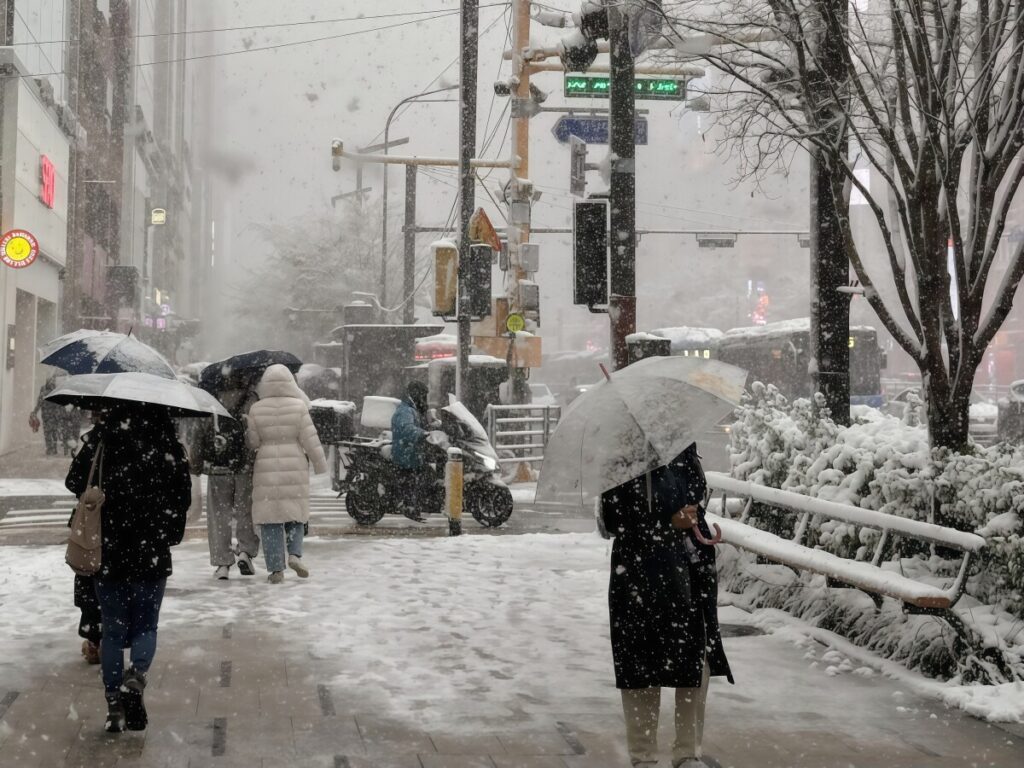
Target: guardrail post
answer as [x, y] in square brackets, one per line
[453, 491]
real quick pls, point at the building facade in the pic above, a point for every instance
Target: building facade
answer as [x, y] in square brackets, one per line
[38, 131]
[96, 127]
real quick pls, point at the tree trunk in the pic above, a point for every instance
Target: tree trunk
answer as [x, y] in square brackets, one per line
[830, 309]
[948, 415]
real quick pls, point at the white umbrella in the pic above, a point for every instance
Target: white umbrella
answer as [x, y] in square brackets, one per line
[96, 390]
[640, 418]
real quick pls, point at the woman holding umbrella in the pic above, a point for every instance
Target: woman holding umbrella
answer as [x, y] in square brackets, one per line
[145, 480]
[628, 443]
[142, 471]
[663, 605]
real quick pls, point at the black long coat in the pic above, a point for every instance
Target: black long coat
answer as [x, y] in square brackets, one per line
[148, 490]
[663, 591]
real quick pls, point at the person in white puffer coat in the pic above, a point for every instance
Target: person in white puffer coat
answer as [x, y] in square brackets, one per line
[280, 430]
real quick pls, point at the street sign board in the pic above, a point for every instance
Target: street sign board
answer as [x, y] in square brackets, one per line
[592, 129]
[18, 248]
[647, 88]
[577, 166]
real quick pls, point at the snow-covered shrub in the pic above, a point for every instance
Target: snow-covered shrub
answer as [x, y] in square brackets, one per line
[884, 463]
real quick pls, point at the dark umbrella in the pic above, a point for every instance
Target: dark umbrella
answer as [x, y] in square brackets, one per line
[86, 351]
[244, 370]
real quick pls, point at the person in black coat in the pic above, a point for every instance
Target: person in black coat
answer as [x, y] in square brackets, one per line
[663, 605]
[147, 487]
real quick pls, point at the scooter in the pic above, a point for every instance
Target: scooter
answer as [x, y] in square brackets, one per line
[374, 486]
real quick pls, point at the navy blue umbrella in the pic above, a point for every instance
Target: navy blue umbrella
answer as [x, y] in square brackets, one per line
[244, 370]
[86, 351]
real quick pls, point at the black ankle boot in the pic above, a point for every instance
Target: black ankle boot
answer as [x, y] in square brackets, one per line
[115, 714]
[131, 696]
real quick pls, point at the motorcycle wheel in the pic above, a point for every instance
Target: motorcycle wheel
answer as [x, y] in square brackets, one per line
[363, 503]
[489, 504]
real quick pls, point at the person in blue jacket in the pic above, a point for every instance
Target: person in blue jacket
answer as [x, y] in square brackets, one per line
[409, 439]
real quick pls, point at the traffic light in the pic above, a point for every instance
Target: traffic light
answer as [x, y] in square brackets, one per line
[578, 51]
[478, 279]
[590, 252]
[446, 278]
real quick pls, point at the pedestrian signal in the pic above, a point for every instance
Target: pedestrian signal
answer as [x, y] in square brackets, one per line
[478, 279]
[590, 252]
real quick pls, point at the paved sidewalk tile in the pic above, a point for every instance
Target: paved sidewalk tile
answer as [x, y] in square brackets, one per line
[536, 761]
[456, 761]
[467, 743]
[389, 737]
[547, 742]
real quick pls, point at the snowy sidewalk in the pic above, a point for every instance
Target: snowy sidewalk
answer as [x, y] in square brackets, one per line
[417, 653]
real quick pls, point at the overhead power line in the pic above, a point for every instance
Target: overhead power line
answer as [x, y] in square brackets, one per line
[249, 27]
[277, 46]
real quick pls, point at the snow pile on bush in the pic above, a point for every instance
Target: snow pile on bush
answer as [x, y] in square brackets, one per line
[885, 463]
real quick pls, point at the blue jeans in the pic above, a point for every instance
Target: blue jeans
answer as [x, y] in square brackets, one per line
[275, 537]
[130, 611]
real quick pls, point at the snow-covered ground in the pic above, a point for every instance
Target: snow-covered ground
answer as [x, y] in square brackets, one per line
[421, 625]
[31, 487]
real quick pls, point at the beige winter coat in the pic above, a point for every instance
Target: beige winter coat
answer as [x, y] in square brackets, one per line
[280, 430]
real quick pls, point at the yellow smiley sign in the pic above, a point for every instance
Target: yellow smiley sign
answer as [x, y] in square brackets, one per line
[18, 248]
[515, 323]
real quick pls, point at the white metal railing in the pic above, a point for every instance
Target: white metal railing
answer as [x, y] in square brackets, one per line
[889, 525]
[519, 433]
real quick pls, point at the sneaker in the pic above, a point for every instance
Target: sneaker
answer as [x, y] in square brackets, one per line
[276, 577]
[244, 564]
[91, 652]
[295, 563]
[115, 714]
[135, 716]
[222, 572]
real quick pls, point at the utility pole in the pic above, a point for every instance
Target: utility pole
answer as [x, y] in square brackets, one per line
[622, 195]
[409, 279]
[519, 196]
[470, 18]
[830, 266]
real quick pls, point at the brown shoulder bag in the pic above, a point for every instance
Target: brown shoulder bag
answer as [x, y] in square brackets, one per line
[84, 553]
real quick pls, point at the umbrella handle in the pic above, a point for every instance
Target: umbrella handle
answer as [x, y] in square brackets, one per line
[717, 537]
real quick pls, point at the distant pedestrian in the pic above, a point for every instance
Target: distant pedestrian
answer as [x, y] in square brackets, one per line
[282, 433]
[144, 476]
[50, 414]
[662, 602]
[219, 450]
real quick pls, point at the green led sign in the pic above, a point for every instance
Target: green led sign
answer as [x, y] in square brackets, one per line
[588, 86]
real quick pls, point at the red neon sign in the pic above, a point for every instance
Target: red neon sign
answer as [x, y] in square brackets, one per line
[47, 181]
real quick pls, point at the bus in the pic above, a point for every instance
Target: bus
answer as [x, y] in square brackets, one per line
[779, 354]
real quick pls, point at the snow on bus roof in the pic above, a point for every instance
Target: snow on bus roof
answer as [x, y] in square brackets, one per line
[438, 338]
[684, 335]
[473, 360]
[781, 328]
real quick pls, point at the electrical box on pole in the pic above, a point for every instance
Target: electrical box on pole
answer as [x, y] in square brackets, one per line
[577, 166]
[590, 252]
[446, 278]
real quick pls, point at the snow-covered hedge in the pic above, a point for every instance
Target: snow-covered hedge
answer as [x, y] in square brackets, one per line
[885, 463]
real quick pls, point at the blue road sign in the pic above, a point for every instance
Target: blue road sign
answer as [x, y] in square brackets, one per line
[592, 129]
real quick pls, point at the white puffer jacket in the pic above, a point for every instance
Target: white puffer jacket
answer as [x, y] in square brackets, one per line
[281, 432]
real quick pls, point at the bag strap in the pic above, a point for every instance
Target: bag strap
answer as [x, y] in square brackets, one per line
[96, 458]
